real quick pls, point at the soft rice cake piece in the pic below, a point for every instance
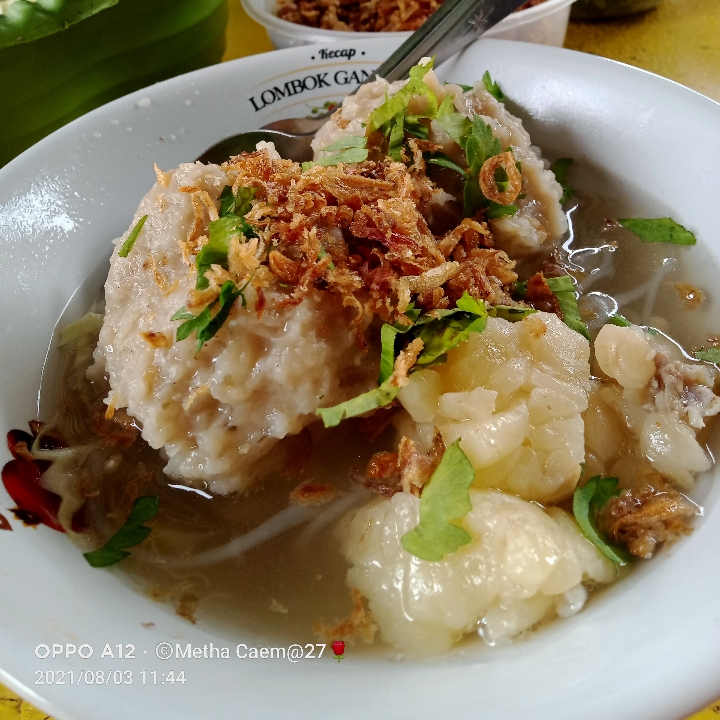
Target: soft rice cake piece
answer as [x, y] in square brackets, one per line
[215, 415]
[523, 565]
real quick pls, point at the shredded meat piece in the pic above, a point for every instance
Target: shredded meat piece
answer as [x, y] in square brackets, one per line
[541, 297]
[359, 625]
[363, 15]
[644, 519]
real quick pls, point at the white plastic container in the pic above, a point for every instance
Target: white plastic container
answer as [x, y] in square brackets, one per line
[545, 24]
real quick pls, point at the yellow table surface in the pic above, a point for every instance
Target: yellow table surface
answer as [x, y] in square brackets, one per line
[680, 40]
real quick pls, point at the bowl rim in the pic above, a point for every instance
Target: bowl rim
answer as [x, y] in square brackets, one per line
[258, 11]
[694, 676]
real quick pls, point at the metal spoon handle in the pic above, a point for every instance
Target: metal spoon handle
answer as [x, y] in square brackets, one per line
[451, 28]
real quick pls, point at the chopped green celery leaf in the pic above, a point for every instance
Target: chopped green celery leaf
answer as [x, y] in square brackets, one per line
[444, 161]
[444, 498]
[454, 123]
[587, 501]
[465, 88]
[493, 88]
[708, 355]
[397, 137]
[399, 101]
[619, 320]
[351, 155]
[215, 251]
[133, 532]
[239, 204]
[415, 127]
[127, 246]
[442, 336]
[88, 324]
[353, 141]
[655, 230]
[560, 170]
[520, 289]
[204, 325]
[448, 331]
[388, 334]
[563, 288]
[229, 293]
[510, 313]
[194, 322]
[307, 165]
[496, 211]
[182, 314]
[371, 400]
[480, 146]
[468, 303]
[472, 195]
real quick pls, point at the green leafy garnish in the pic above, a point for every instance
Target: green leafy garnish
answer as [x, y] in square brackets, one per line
[371, 400]
[663, 230]
[510, 312]
[619, 320]
[479, 147]
[560, 169]
[399, 101]
[222, 231]
[588, 500]
[563, 289]
[388, 336]
[464, 88]
[442, 335]
[239, 204]
[396, 137]
[127, 246]
[205, 325]
[133, 532]
[493, 88]
[444, 498]
[709, 355]
[454, 123]
[496, 211]
[444, 161]
[350, 149]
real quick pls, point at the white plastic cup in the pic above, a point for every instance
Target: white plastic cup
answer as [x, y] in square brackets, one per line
[545, 24]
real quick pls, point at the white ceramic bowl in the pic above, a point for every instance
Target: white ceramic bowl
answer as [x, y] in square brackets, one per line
[545, 24]
[646, 649]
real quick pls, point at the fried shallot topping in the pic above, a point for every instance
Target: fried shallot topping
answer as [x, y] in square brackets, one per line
[359, 230]
[407, 470]
[644, 519]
